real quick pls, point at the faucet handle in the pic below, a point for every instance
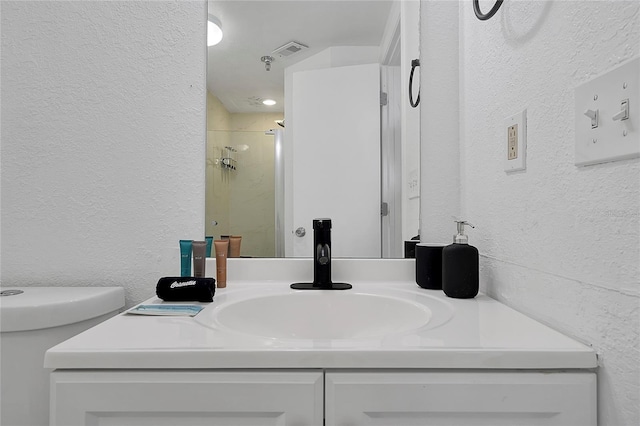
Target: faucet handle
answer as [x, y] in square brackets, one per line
[324, 224]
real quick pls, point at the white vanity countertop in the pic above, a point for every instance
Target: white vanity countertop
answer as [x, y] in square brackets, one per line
[480, 333]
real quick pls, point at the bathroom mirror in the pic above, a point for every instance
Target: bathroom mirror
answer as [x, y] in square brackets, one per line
[307, 56]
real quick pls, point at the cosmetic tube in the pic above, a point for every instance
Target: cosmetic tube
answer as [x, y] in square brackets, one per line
[225, 238]
[199, 248]
[221, 247]
[185, 258]
[234, 245]
[209, 241]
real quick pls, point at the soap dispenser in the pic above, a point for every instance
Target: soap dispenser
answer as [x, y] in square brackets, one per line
[460, 268]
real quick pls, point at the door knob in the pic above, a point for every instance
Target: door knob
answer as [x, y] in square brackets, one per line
[301, 232]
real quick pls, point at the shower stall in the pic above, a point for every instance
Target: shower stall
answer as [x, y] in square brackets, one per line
[244, 189]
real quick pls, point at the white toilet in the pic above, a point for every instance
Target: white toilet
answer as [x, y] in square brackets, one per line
[32, 320]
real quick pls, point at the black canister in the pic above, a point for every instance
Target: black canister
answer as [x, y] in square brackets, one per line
[429, 265]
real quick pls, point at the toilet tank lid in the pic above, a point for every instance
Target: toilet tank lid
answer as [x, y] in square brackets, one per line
[45, 307]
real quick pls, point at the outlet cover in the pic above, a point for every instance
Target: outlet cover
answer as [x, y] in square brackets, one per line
[515, 142]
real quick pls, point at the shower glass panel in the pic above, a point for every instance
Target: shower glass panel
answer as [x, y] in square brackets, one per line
[240, 190]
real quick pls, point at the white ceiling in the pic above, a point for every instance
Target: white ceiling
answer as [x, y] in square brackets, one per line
[253, 29]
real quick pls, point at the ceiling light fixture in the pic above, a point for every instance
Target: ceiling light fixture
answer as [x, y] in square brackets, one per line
[269, 102]
[214, 31]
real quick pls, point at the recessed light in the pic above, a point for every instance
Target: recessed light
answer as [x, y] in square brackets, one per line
[269, 102]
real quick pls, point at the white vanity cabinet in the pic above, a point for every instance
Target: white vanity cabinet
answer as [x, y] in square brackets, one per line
[316, 398]
[186, 398]
[457, 398]
[475, 362]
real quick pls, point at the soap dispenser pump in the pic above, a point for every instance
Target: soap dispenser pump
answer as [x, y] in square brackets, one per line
[460, 266]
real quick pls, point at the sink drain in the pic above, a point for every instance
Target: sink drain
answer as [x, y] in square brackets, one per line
[10, 292]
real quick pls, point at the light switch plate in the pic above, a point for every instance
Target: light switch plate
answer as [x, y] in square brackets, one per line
[413, 184]
[611, 140]
[515, 142]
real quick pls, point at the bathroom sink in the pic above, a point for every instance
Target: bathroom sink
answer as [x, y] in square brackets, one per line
[323, 315]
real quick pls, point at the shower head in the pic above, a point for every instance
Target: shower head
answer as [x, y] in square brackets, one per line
[267, 62]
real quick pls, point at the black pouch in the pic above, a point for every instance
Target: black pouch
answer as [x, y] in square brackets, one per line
[186, 289]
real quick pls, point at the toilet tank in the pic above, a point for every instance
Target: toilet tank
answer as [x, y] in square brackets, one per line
[32, 320]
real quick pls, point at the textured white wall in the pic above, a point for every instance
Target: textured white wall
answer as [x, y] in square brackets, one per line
[103, 141]
[558, 242]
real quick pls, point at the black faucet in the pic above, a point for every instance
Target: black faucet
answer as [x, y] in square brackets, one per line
[321, 260]
[322, 248]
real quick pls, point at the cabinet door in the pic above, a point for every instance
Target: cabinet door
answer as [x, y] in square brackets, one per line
[460, 398]
[186, 398]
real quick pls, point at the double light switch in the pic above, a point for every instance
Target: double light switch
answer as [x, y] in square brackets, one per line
[608, 116]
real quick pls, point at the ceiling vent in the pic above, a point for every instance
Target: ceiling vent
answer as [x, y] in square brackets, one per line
[289, 49]
[254, 101]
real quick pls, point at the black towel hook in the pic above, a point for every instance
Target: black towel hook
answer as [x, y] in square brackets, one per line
[414, 63]
[483, 17]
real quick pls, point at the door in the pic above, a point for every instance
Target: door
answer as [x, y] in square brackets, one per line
[336, 158]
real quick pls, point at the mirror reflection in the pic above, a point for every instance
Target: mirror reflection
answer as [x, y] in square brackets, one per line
[308, 116]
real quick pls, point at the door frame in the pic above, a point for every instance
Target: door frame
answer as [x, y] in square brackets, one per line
[391, 138]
